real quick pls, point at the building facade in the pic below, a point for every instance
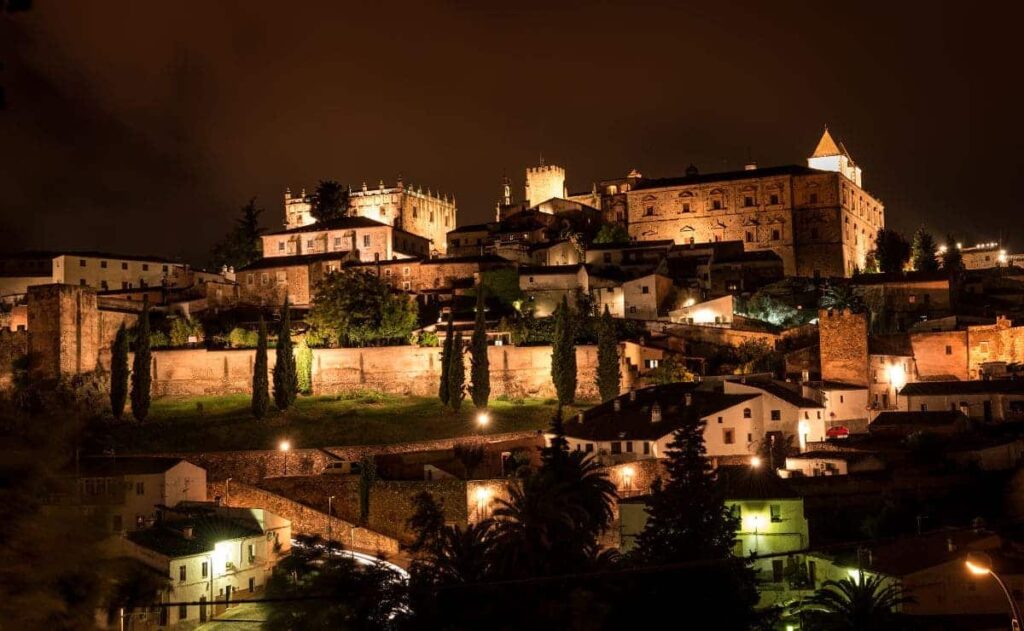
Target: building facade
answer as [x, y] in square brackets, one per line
[428, 215]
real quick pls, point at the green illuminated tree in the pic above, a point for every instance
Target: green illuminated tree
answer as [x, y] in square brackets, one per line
[141, 367]
[456, 374]
[563, 355]
[329, 201]
[446, 356]
[612, 233]
[480, 364]
[304, 367]
[119, 372]
[609, 379]
[260, 382]
[923, 252]
[286, 384]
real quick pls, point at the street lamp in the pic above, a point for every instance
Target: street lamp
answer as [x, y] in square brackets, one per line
[755, 462]
[330, 518]
[285, 446]
[482, 419]
[980, 564]
[483, 495]
[227, 492]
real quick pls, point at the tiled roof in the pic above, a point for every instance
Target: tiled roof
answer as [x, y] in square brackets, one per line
[633, 420]
[783, 391]
[936, 418]
[49, 254]
[270, 262]
[897, 344]
[632, 245]
[726, 176]
[339, 223]
[123, 465]
[834, 385]
[486, 258]
[899, 277]
[749, 483]
[988, 386]
[169, 539]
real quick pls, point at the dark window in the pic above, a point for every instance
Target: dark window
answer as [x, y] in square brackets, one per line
[645, 289]
[647, 446]
[607, 257]
[750, 237]
[774, 199]
[366, 240]
[776, 512]
[778, 570]
[182, 612]
[181, 573]
[616, 447]
[748, 201]
[728, 436]
[81, 262]
[103, 264]
[776, 415]
[629, 446]
[206, 569]
[590, 448]
[814, 198]
[949, 349]
[145, 267]
[775, 235]
[746, 413]
[716, 204]
[124, 266]
[686, 207]
[649, 211]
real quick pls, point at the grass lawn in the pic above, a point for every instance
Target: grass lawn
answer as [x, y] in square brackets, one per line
[216, 423]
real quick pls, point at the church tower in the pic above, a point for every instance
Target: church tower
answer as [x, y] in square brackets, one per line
[832, 156]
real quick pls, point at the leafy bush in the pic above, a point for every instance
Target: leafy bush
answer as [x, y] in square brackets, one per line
[360, 309]
[427, 339]
[182, 329]
[243, 338]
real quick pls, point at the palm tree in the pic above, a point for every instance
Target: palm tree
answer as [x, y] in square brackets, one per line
[859, 603]
[839, 297]
[470, 457]
[462, 555]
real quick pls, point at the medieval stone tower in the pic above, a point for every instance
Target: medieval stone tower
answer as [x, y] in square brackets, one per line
[843, 337]
[543, 183]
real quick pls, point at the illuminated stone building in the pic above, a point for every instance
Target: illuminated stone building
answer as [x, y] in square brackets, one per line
[429, 215]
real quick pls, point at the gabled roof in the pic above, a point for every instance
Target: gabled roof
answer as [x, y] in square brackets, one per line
[169, 539]
[550, 270]
[486, 258]
[826, 147]
[783, 391]
[339, 223]
[631, 245]
[936, 418]
[296, 260]
[749, 483]
[986, 386]
[123, 465]
[633, 420]
[704, 178]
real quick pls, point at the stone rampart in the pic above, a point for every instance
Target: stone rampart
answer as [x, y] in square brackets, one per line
[13, 347]
[516, 371]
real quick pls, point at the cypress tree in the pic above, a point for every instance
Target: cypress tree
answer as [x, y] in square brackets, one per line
[304, 367]
[141, 366]
[688, 519]
[456, 374]
[119, 372]
[563, 355]
[446, 355]
[923, 252]
[481, 367]
[260, 385]
[286, 384]
[608, 376]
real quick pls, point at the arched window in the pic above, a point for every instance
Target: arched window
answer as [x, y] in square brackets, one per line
[747, 413]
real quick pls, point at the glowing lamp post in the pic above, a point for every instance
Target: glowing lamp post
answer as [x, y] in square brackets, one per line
[755, 462]
[980, 564]
[483, 419]
[284, 447]
[483, 497]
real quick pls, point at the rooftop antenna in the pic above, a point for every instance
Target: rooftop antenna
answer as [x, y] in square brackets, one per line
[541, 159]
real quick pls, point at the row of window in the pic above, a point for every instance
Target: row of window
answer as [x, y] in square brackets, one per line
[124, 265]
[104, 285]
[617, 447]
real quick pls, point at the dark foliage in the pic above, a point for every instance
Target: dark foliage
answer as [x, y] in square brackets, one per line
[119, 372]
[563, 355]
[446, 356]
[456, 373]
[480, 364]
[242, 245]
[260, 380]
[329, 201]
[286, 381]
[609, 379]
[141, 367]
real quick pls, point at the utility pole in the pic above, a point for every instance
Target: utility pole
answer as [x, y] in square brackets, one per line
[330, 519]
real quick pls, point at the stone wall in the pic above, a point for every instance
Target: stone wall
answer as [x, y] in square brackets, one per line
[844, 346]
[523, 371]
[254, 465]
[63, 324]
[305, 520]
[940, 354]
[13, 346]
[1000, 342]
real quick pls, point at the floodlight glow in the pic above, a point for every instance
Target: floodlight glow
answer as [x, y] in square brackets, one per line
[284, 445]
[483, 418]
[755, 462]
[976, 569]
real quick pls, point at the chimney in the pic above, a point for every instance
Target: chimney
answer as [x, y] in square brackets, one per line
[632, 395]
[688, 399]
[805, 375]
[655, 413]
[579, 417]
[950, 546]
[617, 404]
[187, 532]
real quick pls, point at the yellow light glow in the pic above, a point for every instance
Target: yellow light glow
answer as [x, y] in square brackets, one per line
[220, 557]
[689, 302]
[628, 473]
[976, 569]
[854, 574]
[755, 462]
[897, 375]
[483, 494]
[482, 419]
[284, 445]
[703, 316]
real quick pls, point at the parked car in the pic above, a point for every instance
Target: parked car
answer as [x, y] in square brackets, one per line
[342, 467]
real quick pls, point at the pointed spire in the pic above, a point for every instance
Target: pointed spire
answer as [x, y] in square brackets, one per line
[826, 146]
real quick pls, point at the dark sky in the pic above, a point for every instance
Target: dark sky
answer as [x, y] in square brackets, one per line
[142, 127]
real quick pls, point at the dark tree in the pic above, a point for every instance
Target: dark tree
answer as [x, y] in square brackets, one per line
[141, 367]
[860, 604]
[242, 245]
[367, 478]
[612, 233]
[357, 308]
[119, 372]
[260, 385]
[688, 519]
[470, 456]
[427, 522]
[952, 258]
[456, 374]
[923, 252]
[563, 355]
[839, 297]
[446, 357]
[609, 379]
[329, 201]
[286, 382]
[891, 251]
[481, 367]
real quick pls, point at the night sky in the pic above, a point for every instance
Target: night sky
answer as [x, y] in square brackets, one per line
[144, 128]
